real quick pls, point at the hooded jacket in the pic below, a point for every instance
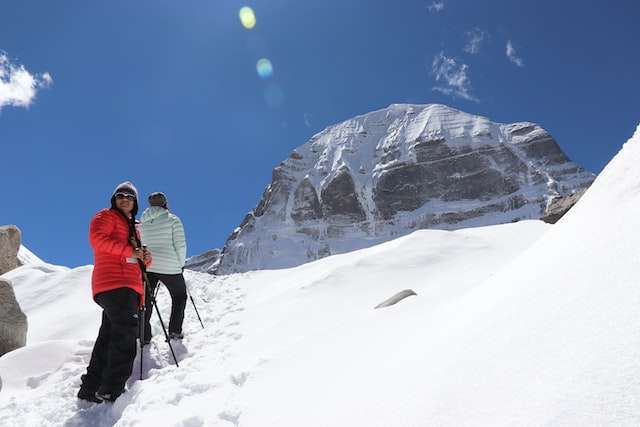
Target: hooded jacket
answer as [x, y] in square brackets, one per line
[114, 265]
[163, 234]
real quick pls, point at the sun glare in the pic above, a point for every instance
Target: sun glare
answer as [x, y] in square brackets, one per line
[247, 17]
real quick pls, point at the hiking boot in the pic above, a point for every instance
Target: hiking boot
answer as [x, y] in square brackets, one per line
[88, 390]
[89, 396]
[176, 335]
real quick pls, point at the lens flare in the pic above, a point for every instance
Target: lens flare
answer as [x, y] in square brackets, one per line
[264, 68]
[247, 17]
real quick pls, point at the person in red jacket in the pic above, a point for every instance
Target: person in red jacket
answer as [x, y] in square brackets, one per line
[116, 284]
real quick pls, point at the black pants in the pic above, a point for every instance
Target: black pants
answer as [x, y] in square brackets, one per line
[178, 291]
[115, 348]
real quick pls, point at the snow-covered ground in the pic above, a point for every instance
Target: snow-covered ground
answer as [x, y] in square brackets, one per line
[262, 328]
[517, 324]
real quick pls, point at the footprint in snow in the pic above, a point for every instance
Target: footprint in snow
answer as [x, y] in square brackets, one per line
[240, 379]
[194, 421]
[35, 382]
[231, 416]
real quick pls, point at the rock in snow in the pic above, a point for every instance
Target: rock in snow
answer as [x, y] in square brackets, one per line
[387, 173]
[13, 322]
[9, 246]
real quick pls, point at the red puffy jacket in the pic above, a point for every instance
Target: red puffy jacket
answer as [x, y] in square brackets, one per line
[114, 266]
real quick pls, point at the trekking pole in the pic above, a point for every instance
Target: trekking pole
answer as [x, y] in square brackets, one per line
[141, 314]
[145, 283]
[197, 314]
[141, 309]
[194, 307]
[155, 304]
[166, 335]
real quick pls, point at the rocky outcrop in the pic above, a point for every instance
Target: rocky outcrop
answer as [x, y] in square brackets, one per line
[560, 206]
[206, 262]
[10, 238]
[13, 322]
[384, 174]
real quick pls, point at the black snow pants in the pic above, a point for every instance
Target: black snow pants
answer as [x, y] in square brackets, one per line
[178, 291]
[115, 348]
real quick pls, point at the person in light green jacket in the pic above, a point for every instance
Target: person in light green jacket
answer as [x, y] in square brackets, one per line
[163, 234]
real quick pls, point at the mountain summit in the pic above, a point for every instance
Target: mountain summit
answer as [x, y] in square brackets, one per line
[386, 173]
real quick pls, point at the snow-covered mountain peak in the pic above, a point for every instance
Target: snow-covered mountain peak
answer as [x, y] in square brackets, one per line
[388, 172]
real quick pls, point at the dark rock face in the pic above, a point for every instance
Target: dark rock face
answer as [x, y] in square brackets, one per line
[276, 195]
[407, 188]
[13, 322]
[339, 198]
[306, 206]
[384, 174]
[10, 238]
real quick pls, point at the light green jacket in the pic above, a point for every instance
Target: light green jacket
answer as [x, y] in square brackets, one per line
[163, 234]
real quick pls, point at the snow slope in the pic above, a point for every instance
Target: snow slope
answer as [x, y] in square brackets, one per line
[551, 339]
[517, 324]
[256, 322]
[57, 301]
[25, 256]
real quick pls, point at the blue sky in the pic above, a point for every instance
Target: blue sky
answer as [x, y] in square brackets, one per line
[166, 93]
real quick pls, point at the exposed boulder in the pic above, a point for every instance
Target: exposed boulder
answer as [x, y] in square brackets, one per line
[10, 238]
[560, 206]
[13, 322]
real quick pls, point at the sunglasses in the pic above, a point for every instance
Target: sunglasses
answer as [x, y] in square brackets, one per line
[120, 196]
